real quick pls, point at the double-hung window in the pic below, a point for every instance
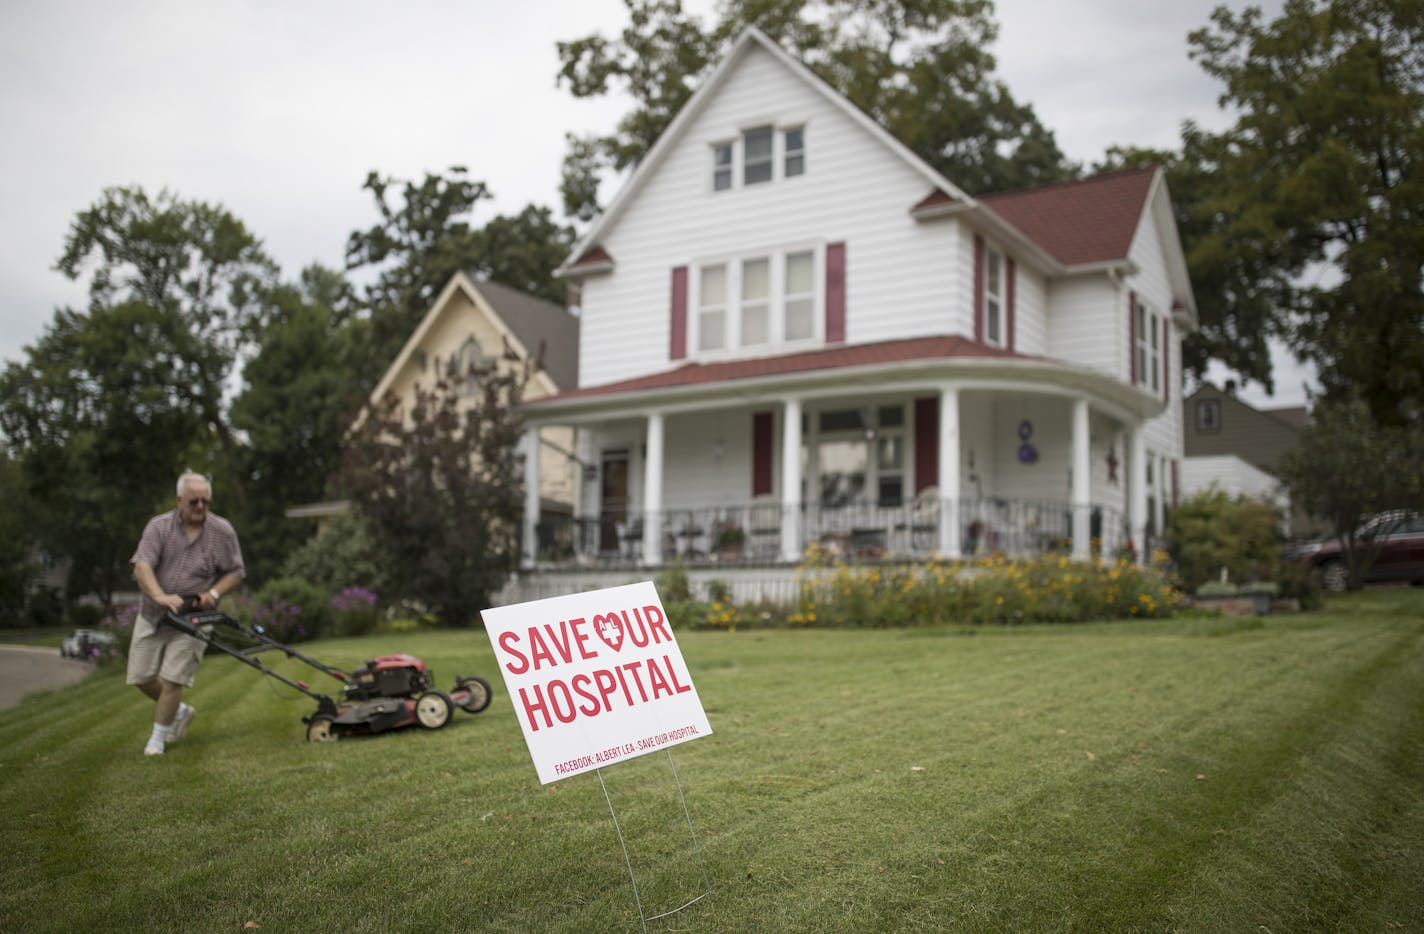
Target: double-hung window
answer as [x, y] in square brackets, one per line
[756, 302]
[800, 296]
[993, 298]
[721, 166]
[1149, 347]
[712, 308]
[793, 145]
[757, 158]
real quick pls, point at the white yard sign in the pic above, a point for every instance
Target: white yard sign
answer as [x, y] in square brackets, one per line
[594, 678]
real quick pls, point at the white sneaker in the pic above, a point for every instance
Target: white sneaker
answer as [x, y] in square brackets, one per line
[179, 729]
[154, 748]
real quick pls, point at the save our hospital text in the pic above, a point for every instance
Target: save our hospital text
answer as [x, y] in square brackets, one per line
[596, 678]
[591, 693]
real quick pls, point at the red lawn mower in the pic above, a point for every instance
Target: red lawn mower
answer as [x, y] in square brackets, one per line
[387, 693]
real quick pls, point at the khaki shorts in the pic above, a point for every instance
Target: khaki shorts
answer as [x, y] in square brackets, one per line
[162, 652]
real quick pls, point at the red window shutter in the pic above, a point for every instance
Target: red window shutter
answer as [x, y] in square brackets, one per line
[1009, 304]
[1175, 485]
[979, 290]
[678, 330]
[835, 293]
[1166, 385]
[761, 453]
[1132, 337]
[926, 443]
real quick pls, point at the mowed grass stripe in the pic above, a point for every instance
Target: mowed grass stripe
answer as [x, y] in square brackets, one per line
[857, 780]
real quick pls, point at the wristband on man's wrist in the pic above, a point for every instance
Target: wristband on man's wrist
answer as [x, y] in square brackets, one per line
[215, 595]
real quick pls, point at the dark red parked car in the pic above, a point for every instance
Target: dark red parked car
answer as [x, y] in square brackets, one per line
[1399, 538]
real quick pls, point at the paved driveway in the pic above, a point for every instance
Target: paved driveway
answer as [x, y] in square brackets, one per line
[25, 669]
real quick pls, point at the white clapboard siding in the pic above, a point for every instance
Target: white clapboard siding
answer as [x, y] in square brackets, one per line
[902, 275]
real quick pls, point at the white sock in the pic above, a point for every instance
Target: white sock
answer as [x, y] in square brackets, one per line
[160, 734]
[184, 709]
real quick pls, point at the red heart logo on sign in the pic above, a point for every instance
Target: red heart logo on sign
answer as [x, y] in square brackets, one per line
[610, 630]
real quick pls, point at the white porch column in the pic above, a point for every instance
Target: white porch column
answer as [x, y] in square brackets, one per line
[1082, 482]
[1137, 491]
[531, 498]
[949, 538]
[791, 480]
[653, 492]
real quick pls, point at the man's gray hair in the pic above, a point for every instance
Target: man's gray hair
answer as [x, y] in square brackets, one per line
[188, 475]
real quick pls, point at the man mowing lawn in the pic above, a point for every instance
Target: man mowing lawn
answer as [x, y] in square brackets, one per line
[186, 551]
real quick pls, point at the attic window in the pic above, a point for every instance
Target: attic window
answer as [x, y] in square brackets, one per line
[721, 166]
[794, 149]
[469, 364]
[756, 155]
[1208, 416]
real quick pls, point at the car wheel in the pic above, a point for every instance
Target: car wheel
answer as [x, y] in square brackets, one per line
[1334, 576]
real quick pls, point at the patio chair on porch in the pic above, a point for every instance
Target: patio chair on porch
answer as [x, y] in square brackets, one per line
[630, 540]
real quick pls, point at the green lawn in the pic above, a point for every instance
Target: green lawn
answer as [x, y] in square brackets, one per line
[1195, 774]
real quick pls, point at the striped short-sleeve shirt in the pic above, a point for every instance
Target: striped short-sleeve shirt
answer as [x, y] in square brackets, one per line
[182, 566]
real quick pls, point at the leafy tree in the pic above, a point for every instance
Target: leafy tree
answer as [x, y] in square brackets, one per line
[301, 391]
[18, 567]
[439, 487]
[102, 416]
[1348, 468]
[920, 67]
[113, 401]
[417, 245]
[425, 237]
[192, 262]
[523, 250]
[1324, 170]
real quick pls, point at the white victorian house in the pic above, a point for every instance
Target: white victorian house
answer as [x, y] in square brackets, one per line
[794, 331]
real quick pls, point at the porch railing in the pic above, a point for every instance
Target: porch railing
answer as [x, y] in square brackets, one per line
[751, 534]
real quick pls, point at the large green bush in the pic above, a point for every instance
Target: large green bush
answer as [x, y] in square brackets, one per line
[1212, 530]
[344, 554]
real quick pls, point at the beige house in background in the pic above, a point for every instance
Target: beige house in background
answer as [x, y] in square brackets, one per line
[473, 322]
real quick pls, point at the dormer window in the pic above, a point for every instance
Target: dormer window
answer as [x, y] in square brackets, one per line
[756, 155]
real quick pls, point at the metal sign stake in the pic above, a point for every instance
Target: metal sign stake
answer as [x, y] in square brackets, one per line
[627, 861]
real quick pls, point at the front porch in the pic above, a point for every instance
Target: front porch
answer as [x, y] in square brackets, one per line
[766, 533]
[899, 461]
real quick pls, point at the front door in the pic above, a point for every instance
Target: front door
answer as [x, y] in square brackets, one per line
[613, 500]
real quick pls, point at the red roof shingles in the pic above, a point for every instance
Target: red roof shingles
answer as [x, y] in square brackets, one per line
[1088, 221]
[831, 358]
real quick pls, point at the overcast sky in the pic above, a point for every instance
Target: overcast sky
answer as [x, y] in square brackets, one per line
[277, 109]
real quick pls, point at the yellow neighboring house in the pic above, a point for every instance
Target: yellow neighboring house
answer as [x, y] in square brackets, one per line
[472, 322]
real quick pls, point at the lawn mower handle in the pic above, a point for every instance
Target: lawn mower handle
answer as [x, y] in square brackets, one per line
[192, 623]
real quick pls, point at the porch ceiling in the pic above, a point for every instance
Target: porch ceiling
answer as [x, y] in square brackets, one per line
[915, 364]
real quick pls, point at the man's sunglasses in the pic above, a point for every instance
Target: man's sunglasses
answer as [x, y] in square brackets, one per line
[199, 499]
